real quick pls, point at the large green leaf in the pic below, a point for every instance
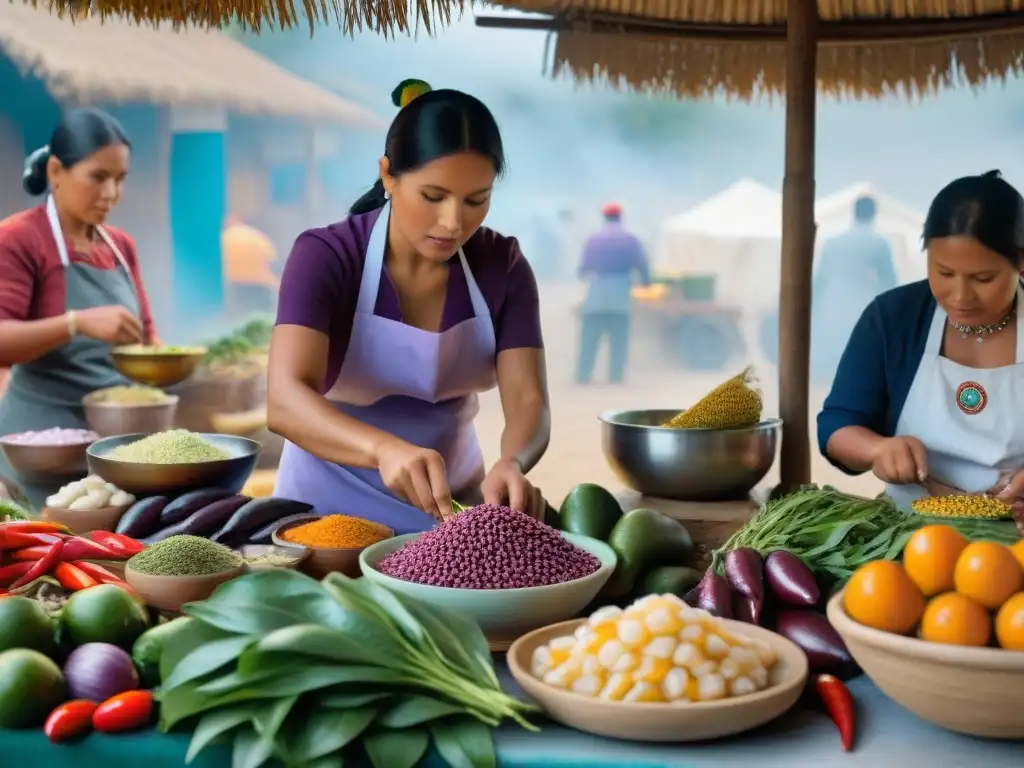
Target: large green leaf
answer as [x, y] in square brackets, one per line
[215, 724]
[269, 718]
[333, 760]
[459, 641]
[320, 642]
[249, 751]
[249, 620]
[205, 659]
[464, 743]
[383, 602]
[396, 749]
[343, 700]
[416, 710]
[254, 588]
[180, 644]
[324, 731]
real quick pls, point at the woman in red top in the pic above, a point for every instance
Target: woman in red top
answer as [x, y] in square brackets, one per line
[69, 286]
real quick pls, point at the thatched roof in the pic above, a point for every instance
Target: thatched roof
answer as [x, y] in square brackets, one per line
[704, 47]
[90, 60]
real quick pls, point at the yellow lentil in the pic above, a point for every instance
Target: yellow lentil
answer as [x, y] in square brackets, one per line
[336, 532]
[730, 405]
[981, 506]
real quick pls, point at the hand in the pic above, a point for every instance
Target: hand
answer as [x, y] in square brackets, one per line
[901, 460]
[1013, 494]
[506, 484]
[113, 324]
[417, 475]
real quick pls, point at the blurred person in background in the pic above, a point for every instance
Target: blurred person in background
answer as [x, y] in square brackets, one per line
[613, 262]
[853, 269]
[70, 286]
[391, 321]
[249, 260]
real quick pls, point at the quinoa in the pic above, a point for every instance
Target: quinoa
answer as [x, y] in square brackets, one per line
[176, 446]
[490, 547]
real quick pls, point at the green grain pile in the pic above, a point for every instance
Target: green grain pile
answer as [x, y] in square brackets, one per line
[185, 556]
[177, 446]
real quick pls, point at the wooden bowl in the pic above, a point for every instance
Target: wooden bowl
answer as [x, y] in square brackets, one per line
[325, 560]
[83, 521]
[680, 721]
[169, 593]
[976, 691]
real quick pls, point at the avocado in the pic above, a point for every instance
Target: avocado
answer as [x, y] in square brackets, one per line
[590, 510]
[643, 539]
[669, 579]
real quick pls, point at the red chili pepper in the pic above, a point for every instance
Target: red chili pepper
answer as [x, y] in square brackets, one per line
[41, 566]
[19, 539]
[75, 548]
[98, 572]
[124, 712]
[33, 526]
[70, 720]
[72, 578]
[13, 571]
[117, 542]
[839, 703]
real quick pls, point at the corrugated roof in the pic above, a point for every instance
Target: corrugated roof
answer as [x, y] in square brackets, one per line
[115, 60]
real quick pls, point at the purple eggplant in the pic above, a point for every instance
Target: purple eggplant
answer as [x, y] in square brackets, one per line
[692, 598]
[744, 569]
[715, 595]
[263, 535]
[189, 503]
[255, 514]
[746, 608]
[203, 522]
[143, 517]
[811, 631]
[791, 580]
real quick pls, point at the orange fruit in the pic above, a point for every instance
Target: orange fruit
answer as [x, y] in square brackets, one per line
[1018, 552]
[956, 620]
[883, 596]
[930, 557]
[1010, 624]
[988, 573]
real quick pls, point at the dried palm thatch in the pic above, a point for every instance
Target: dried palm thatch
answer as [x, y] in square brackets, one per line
[385, 17]
[867, 48]
[89, 60]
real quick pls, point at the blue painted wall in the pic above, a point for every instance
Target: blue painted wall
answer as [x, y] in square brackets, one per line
[28, 104]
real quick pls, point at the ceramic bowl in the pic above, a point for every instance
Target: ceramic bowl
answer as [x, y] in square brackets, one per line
[975, 691]
[169, 593]
[501, 612]
[128, 418]
[325, 560]
[252, 551]
[83, 521]
[45, 462]
[679, 721]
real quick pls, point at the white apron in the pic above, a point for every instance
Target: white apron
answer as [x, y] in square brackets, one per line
[971, 420]
[418, 385]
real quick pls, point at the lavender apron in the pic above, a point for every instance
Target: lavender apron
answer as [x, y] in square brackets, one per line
[417, 385]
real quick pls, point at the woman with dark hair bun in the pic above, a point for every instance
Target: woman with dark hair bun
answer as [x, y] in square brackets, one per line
[392, 321]
[929, 390]
[70, 285]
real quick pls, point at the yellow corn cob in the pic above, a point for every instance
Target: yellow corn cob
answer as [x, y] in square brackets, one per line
[730, 405]
[980, 506]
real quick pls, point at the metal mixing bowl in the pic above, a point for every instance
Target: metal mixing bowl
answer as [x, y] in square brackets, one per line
[156, 369]
[686, 464]
[128, 418]
[147, 479]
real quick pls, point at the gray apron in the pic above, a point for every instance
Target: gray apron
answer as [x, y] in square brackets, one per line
[48, 391]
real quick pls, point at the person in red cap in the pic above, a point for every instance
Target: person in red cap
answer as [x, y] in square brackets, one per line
[613, 260]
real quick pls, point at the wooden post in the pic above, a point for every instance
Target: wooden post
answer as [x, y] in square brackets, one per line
[797, 242]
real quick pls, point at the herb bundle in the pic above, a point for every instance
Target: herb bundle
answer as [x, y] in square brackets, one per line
[305, 672]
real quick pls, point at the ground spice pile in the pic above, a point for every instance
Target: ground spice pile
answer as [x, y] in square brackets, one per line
[176, 446]
[336, 532]
[185, 556]
[490, 547]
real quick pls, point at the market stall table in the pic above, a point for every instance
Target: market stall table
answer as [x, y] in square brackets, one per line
[886, 736]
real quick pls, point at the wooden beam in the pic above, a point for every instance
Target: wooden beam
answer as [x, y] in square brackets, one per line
[829, 33]
[798, 228]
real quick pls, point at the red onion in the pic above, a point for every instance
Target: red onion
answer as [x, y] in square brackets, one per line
[97, 671]
[52, 436]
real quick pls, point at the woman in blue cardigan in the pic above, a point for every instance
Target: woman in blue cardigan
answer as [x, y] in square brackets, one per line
[929, 394]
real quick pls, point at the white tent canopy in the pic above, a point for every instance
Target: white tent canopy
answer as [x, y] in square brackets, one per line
[736, 236]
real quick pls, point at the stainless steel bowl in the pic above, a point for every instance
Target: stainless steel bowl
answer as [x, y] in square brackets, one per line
[147, 479]
[41, 463]
[686, 464]
[128, 418]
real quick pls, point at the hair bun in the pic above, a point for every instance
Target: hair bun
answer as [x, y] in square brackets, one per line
[995, 174]
[408, 90]
[33, 175]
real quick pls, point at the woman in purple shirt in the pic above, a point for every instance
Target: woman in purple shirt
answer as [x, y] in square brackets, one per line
[391, 321]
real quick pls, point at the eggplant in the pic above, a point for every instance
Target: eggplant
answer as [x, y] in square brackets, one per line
[692, 598]
[791, 580]
[263, 535]
[256, 514]
[143, 517]
[811, 631]
[746, 608]
[715, 595]
[188, 503]
[203, 522]
[744, 569]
